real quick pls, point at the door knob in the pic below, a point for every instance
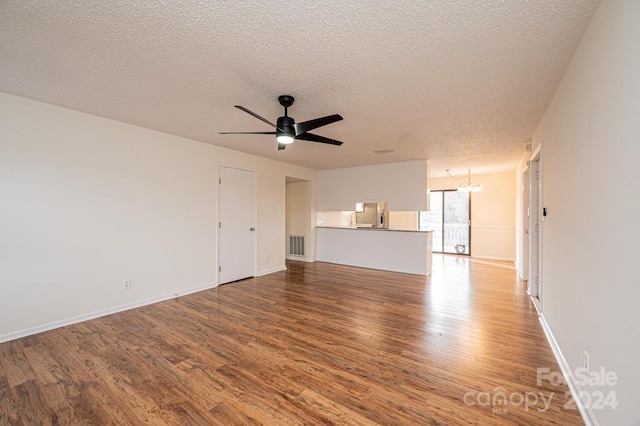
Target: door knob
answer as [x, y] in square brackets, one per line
[253, 229]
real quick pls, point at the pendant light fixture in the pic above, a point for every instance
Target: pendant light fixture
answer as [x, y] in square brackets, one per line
[467, 185]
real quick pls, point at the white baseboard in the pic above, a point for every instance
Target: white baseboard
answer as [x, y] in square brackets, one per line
[101, 313]
[536, 304]
[482, 256]
[585, 410]
[272, 270]
[300, 259]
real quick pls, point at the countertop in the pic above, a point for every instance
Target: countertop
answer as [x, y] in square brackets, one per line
[368, 228]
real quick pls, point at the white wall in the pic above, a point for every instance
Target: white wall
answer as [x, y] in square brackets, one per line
[403, 220]
[88, 202]
[402, 185]
[590, 137]
[492, 214]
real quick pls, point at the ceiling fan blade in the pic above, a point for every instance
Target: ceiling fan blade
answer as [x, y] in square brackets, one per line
[255, 115]
[316, 138]
[247, 133]
[305, 126]
[281, 146]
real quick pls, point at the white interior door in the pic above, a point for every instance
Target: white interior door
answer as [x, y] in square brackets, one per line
[236, 227]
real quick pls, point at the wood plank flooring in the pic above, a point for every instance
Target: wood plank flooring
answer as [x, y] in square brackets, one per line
[317, 344]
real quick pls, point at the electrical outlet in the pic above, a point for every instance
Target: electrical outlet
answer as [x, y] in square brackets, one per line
[586, 361]
[126, 285]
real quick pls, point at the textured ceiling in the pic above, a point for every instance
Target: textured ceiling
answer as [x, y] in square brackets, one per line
[461, 83]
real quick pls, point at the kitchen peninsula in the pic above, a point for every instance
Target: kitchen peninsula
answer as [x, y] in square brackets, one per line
[387, 249]
[342, 199]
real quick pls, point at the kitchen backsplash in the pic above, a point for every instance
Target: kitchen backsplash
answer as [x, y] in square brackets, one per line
[405, 220]
[335, 218]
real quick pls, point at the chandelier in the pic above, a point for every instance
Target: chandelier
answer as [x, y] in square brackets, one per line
[467, 185]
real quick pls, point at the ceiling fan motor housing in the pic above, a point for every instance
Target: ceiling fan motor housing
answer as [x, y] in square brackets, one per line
[285, 127]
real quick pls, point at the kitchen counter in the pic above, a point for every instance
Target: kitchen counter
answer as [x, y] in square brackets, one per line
[395, 250]
[369, 228]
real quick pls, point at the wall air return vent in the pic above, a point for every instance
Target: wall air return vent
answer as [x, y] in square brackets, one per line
[296, 245]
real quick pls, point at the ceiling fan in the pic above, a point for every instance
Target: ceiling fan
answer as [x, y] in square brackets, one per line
[287, 130]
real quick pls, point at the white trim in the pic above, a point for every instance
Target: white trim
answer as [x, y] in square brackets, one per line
[525, 232]
[535, 152]
[480, 256]
[585, 411]
[272, 270]
[508, 228]
[537, 155]
[536, 304]
[300, 259]
[103, 312]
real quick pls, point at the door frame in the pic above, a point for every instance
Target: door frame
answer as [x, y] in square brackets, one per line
[255, 218]
[537, 219]
[526, 217]
[469, 226]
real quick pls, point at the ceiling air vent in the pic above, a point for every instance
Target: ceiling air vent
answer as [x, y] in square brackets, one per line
[383, 151]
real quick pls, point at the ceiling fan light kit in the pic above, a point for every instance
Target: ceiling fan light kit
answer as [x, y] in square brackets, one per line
[285, 139]
[286, 129]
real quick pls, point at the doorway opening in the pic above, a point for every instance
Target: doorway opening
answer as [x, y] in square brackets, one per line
[298, 219]
[450, 220]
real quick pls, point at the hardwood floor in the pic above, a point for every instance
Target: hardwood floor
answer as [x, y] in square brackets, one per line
[316, 344]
